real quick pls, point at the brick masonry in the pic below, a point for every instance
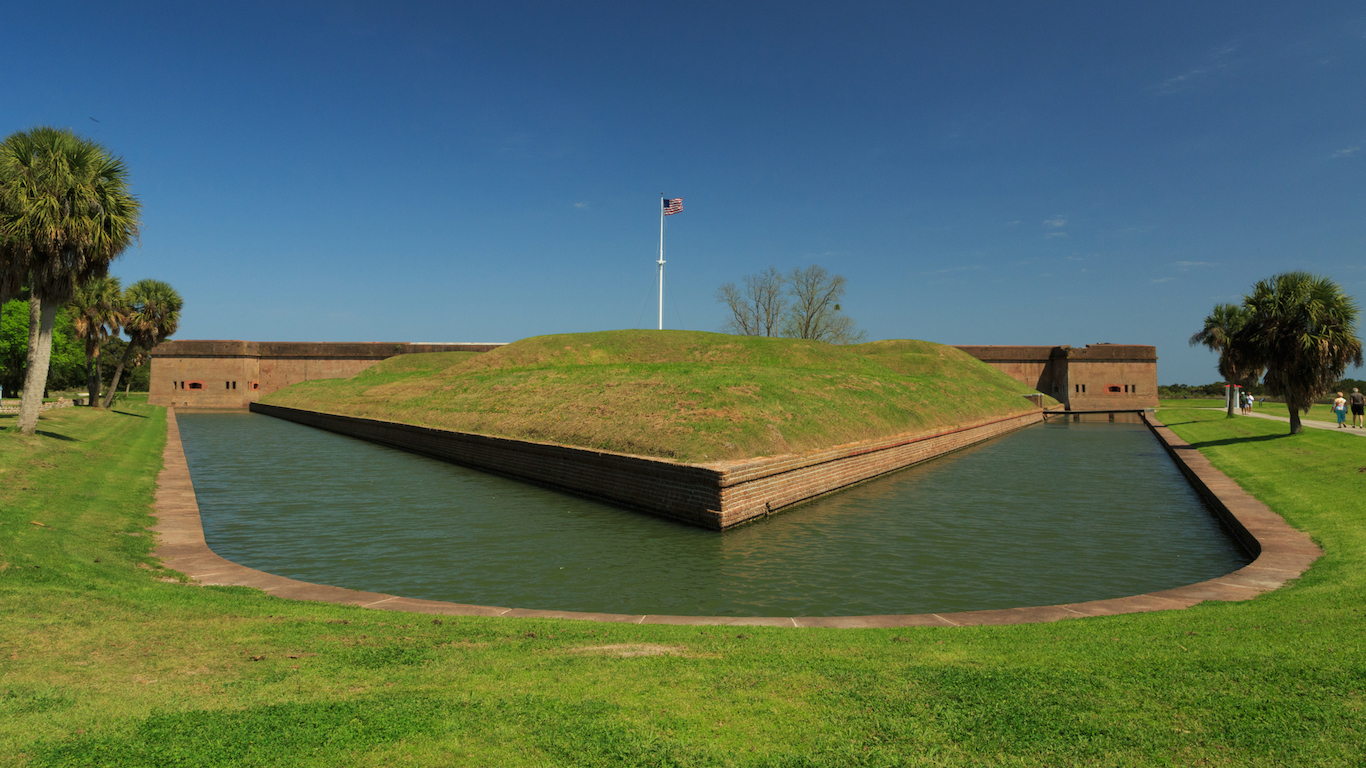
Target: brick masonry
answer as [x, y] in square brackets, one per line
[1282, 554]
[234, 374]
[1094, 377]
[716, 495]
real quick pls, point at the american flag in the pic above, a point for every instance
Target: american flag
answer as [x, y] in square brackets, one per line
[673, 206]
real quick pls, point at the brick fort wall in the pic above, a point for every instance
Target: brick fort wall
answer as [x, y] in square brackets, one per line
[234, 374]
[1094, 377]
[716, 495]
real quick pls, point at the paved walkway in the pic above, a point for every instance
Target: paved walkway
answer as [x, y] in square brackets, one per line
[1307, 423]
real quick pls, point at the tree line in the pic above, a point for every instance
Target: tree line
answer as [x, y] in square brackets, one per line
[1216, 390]
[802, 304]
[66, 212]
[1295, 334]
[67, 368]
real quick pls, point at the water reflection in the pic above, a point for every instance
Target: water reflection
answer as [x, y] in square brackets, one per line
[1061, 512]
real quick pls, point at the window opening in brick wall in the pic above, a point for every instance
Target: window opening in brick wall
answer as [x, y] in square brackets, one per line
[196, 385]
[256, 385]
[1114, 388]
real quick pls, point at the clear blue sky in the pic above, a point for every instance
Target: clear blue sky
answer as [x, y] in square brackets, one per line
[984, 173]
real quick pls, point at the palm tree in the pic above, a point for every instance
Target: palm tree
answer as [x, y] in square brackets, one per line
[99, 309]
[1302, 327]
[153, 314]
[1219, 335]
[65, 214]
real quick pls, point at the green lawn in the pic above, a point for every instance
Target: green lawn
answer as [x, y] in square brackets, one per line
[684, 395]
[1191, 403]
[1317, 412]
[106, 660]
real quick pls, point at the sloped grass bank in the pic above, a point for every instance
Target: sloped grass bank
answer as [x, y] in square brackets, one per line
[683, 395]
[103, 663]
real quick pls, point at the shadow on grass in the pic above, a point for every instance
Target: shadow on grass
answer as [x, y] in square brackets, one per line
[127, 413]
[9, 424]
[1239, 440]
[56, 436]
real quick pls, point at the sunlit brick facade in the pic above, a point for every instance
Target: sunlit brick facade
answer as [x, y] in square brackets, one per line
[234, 374]
[1094, 377]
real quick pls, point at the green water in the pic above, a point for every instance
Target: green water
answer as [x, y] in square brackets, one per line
[1052, 514]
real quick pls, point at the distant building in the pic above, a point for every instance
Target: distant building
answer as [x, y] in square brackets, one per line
[232, 374]
[1094, 377]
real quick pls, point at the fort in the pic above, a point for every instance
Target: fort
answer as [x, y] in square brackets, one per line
[710, 493]
[235, 374]
[1096, 377]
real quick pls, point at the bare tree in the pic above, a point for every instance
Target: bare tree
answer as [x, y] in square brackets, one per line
[757, 308]
[815, 312]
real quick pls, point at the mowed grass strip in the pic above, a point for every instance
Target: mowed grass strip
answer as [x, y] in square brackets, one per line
[105, 663]
[1317, 412]
[683, 395]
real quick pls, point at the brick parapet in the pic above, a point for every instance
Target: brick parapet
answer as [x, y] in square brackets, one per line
[1111, 353]
[672, 489]
[348, 350]
[989, 353]
[233, 373]
[717, 495]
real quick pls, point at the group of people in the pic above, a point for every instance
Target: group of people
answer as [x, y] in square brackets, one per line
[1358, 403]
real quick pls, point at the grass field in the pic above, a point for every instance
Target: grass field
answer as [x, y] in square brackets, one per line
[107, 660]
[1317, 412]
[682, 395]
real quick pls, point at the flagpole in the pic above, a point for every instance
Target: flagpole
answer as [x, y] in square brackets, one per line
[661, 261]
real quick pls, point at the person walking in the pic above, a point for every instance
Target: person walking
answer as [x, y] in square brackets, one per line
[1358, 408]
[1340, 408]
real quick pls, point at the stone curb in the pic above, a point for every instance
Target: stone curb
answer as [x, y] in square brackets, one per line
[60, 403]
[1282, 553]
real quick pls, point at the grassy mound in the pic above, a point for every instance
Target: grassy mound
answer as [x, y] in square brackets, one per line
[683, 395]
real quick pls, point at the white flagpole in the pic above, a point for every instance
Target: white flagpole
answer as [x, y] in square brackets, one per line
[661, 261]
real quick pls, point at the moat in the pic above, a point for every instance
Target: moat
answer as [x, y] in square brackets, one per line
[1057, 513]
